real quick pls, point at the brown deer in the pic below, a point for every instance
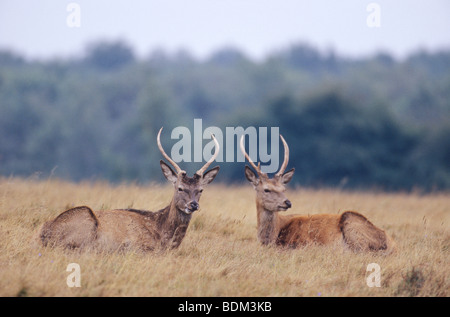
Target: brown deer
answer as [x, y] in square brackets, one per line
[121, 229]
[351, 228]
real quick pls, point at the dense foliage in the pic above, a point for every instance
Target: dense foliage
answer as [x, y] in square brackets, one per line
[373, 122]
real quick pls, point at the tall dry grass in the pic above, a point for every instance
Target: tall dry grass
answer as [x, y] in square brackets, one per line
[220, 255]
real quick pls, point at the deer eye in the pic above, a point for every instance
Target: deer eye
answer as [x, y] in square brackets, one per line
[180, 189]
[267, 190]
[200, 190]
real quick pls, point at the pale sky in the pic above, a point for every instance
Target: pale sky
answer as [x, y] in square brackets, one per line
[38, 28]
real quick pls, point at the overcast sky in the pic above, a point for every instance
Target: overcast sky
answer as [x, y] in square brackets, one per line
[38, 28]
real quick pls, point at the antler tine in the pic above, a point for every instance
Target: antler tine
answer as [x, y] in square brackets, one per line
[216, 152]
[248, 157]
[177, 168]
[286, 157]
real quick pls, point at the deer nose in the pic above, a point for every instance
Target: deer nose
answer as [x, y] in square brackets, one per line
[288, 203]
[193, 205]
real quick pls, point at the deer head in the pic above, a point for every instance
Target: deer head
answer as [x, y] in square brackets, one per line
[188, 189]
[270, 192]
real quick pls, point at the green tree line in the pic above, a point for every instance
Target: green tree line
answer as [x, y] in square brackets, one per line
[369, 122]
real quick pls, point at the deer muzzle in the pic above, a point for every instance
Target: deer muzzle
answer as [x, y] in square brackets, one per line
[191, 207]
[286, 205]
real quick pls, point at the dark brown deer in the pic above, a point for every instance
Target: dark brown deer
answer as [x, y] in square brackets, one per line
[121, 229]
[350, 227]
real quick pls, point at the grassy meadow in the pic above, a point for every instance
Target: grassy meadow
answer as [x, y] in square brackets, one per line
[220, 255]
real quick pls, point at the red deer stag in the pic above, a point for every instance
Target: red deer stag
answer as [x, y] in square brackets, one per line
[121, 229]
[350, 227]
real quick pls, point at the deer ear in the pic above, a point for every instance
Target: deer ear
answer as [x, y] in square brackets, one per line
[286, 177]
[168, 173]
[209, 176]
[251, 176]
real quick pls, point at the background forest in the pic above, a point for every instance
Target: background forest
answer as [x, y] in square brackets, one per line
[354, 123]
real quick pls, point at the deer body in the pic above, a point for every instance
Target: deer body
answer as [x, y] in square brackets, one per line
[142, 230]
[303, 230]
[349, 228]
[120, 229]
[117, 229]
[297, 230]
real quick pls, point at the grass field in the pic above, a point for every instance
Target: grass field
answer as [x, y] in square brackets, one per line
[220, 255]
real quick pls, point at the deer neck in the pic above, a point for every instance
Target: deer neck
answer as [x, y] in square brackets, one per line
[267, 223]
[172, 225]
